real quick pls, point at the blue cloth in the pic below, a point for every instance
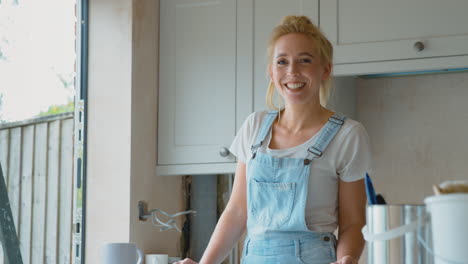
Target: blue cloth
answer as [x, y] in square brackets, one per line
[276, 199]
[290, 248]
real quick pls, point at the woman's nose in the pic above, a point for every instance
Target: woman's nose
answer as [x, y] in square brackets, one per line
[293, 69]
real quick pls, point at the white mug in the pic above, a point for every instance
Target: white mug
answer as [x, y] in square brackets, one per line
[121, 253]
[156, 259]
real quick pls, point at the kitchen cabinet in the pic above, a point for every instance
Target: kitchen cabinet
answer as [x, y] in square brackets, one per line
[378, 36]
[212, 75]
[197, 84]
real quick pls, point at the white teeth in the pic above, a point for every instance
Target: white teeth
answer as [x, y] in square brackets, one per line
[295, 85]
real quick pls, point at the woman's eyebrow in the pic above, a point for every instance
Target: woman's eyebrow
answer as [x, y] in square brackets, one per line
[300, 54]
[306, 54]
[280, 55]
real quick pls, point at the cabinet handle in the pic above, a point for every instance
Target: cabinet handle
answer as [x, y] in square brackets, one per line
[224, 152]
[418, 46]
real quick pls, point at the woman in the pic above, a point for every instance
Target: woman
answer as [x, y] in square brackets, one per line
[300, 169]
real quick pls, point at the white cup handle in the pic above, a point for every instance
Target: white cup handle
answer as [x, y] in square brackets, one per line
[140, 256]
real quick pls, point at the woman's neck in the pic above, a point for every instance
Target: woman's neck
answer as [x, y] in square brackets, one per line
[296, 118]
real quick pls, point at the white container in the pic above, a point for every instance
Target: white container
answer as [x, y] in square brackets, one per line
[121, 253]
[449, 217]
[156, 259]
[392, 233]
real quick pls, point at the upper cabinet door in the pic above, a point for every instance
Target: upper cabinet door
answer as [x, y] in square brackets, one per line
[382, 30]
[197, 78]
[267, 14]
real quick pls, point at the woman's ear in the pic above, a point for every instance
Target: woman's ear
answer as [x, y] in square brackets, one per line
[270, 73]
[326, 71]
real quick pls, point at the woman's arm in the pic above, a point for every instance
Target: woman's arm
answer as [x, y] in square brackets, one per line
[351, 219]
[232, 222]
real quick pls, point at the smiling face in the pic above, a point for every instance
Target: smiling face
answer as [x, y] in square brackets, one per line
[297, 70]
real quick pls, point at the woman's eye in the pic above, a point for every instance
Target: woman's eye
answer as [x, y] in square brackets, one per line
[305, 60]
[281, 62]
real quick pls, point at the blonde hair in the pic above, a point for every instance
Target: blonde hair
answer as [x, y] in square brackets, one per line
[303, 25]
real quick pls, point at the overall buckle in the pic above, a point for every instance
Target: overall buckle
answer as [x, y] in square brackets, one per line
[336, 120]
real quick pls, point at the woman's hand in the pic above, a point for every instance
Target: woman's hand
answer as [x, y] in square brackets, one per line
[186, 261]
[346, 260]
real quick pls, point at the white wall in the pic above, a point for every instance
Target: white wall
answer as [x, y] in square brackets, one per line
[122, 125]
[165, 193]
[343, 96]
[417, 126]
[109, 125]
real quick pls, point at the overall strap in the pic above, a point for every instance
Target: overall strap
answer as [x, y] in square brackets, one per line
[264, 129]
[329, 131]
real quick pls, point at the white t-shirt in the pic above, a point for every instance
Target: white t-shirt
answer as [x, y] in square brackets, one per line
[347, 157]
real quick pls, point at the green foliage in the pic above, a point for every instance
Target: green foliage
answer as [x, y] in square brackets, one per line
[66, 80]
[2, 57]
[57, 109]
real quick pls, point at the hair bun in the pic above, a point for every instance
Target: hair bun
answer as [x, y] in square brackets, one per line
[287, 20]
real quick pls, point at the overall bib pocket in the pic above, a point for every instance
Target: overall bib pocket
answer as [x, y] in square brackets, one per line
[325, 254]
[272, 202]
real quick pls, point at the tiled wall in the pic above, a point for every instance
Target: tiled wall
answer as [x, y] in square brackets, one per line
[418, 127]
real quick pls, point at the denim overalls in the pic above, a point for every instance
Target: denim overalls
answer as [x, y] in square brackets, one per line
[276, 199]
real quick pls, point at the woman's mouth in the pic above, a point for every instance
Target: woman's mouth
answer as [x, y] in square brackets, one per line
[295, 85]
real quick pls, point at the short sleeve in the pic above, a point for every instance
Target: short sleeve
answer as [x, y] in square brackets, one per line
[240, 146]
[355, 155]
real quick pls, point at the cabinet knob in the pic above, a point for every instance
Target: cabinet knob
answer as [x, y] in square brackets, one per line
[418, 46]
[224, 152]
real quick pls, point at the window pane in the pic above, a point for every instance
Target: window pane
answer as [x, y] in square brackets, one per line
[37, 94]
